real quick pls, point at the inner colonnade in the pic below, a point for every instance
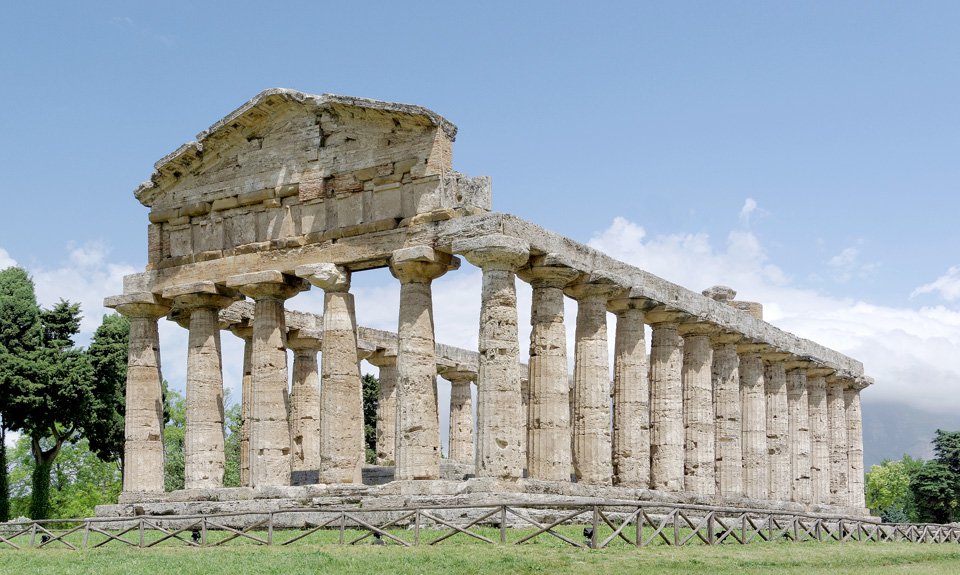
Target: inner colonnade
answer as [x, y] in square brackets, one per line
[293, 192]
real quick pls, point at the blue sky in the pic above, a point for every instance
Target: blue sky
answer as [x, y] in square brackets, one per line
[803, 152]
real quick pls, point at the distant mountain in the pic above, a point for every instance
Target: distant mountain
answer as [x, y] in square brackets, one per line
[891, 430]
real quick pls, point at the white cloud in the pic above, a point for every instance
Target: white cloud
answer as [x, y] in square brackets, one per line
[748, 209]
[947, 285]
[846, 265]
[5, 260]
[911, 352]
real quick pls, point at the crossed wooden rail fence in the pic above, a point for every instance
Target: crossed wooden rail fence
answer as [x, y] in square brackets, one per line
[638, 524]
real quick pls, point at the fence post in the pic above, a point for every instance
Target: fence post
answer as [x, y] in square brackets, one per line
[270, 528]
[638, 540]
[416, 526]
[711, 529]
[141, 533]
[86, 533]
[596, 527]
[503, 524]
[203, 531]
[343, 525]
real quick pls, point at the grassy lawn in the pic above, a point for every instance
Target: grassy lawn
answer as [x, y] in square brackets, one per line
[319, 553]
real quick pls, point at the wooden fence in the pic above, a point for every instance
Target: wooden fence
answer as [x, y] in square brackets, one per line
[637, 524]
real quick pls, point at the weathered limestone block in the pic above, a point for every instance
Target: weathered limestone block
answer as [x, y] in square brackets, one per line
[839, 464]
[245, 332]
[699, 418]
[591, 389]
[305, 400]
[418, 433]
[143, 424]
[631, 396]
[666, 402]
[799, 431]
[386, 407]
[851, 398]
[549, 455]
[341, 395]
[461, 416]
[729, 429]
[819, 432]
[778, 426]
[203, 456]
[755, 469]
[269, 424]
[499, 411]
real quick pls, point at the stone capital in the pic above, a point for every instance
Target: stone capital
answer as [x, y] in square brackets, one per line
[196, 295]
[774, 356]
[596, 285]
[719, 293]
[383, 358]
[305, 339]
[270, 284]
[326, 276]
[241, 330]
[793, 363]
[621, 304]
[365, 350]
[690, 328]
[548, 270]
[819, 371]
[138, 305]
[753, 347]
[421, 264]
[726, 338]
[663, 314]
[494, 251]
[458, 374]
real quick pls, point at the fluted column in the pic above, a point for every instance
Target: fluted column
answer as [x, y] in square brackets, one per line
[592, 461]
[799, 431]
[269, 424]
[755, 471]
[839, 464]
[198, 305]
[386, 407]
[418, 429]
[461, 415]
[143, 424]
[666, 402]
[631, 395]
[342, 450]
[245, 332]
[778, 426]
[500, 426]
[699, 418]
[726, 399]
[305, 404]
[851, 397]
[819, 430]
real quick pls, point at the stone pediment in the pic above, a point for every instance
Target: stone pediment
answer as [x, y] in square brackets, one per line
[289, 167]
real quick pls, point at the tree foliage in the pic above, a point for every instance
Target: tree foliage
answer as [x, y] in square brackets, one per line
[371, 398]
[108, 359]
[936, 485]
[888, 491]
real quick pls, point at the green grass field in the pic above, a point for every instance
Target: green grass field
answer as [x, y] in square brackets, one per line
[320, 553]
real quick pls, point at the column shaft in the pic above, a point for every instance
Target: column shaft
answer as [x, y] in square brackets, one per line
[726, 390]
[778, 427]
[851, 396]
[246, 401]
[203, 457]
[631, 401]
[839, 489]
[666, 409]
[387, 413]
[799, 434]
[461, 422]
[591, 418]
[755, 471]
[698, 415]
[819, 442]
[305, 410]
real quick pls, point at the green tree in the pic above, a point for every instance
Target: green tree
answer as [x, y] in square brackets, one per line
[888, 491]
[4, 482]
[934, 488]
[231, 446]
[371, 398]
[946, 448]
[103, 427]
[175, 416]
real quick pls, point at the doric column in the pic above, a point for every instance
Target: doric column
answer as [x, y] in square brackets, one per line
[666, 402]
[245, 332]
[755, 471]
[819, 430]
[591, 381]
[198, 305]
[726, 400]
[418, 430]
[839, 464]
[500, 428]
[341, 392]
[461, 415]
[631, 395]
[851, 398]
[269, 424]
[386, 407]
[778, 426]
[305, 405]
[143, 424]
[699, 418]
[798, 410]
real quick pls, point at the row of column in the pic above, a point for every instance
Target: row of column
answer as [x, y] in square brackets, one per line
[713, 414]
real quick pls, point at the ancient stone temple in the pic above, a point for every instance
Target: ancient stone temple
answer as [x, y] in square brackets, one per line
[294, 192]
